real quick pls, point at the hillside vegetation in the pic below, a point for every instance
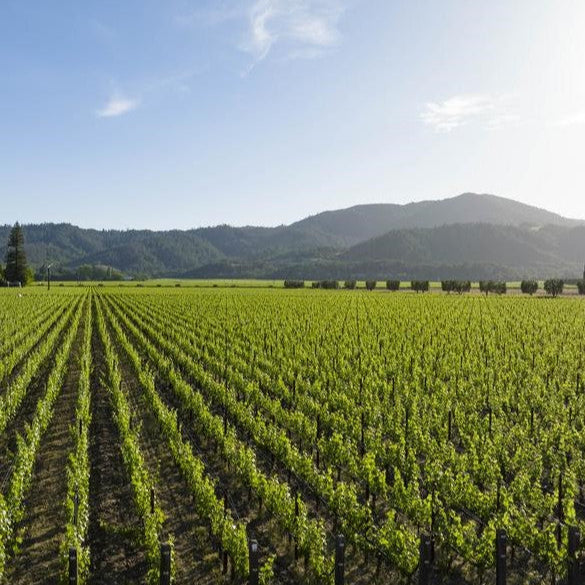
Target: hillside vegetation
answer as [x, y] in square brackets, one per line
[469, 236]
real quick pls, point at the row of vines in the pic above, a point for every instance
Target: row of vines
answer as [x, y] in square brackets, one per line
[381, 418]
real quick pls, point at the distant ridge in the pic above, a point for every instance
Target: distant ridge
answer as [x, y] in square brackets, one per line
[362, 222]
[364, 240]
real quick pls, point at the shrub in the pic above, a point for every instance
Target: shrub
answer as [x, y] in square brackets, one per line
[419, 285]
[458, 286]
[529, 287]
[554, 286]
[461, 286]
[370, 284]
[581, 287]
[500, 287]
[294, 284]
[327, 284]
[496, 286]
[393, 285]
[351, 284]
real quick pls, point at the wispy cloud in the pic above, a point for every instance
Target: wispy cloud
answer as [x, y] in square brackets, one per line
[460, 110]
[308, 27]
[117, 105]
[301, 29]
[574, 119]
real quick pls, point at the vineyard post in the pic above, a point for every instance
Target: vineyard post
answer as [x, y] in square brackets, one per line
[501, 541]
[340, 560]
[425, 551]
[296, 516]
[165, 564]
[254, 571]
[72, 566]
[152, 500]
[224, 568]
[573, 546]
[560, 514]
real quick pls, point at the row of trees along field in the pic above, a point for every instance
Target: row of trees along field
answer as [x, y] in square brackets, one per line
[552, 287]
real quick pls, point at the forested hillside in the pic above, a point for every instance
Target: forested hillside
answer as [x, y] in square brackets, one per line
[469, 236]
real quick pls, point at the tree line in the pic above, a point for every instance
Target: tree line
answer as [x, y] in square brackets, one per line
[552, 287]
[17, 272]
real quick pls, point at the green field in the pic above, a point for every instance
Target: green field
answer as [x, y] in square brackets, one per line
[288, 417]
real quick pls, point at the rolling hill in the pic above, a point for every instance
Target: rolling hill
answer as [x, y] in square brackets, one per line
[468, 234]
[363, 222]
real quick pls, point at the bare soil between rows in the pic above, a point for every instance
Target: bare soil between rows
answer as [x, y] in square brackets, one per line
[114, 529]
[43, 526]
[195, 559]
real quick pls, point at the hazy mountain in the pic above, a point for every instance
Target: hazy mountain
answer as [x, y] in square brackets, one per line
[346, 227]
[363, 222]
[468, 230]
[551, 249]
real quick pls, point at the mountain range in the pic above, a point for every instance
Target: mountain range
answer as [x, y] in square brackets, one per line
[469, 236]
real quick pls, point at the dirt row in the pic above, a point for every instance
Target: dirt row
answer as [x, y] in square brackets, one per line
[43, 525]
[242, 502]
[27, 408]
[114, 528]
[113, 531]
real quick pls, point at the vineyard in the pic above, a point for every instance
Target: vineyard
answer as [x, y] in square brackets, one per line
[290, 436]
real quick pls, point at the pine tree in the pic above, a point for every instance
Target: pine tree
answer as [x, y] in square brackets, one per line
[16, 266]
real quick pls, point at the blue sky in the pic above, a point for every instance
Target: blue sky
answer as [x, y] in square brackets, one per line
[177, 114]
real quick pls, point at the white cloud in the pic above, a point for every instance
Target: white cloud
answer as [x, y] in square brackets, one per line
[460, 110]
[117, 105]
[308, 27]
[575, 119]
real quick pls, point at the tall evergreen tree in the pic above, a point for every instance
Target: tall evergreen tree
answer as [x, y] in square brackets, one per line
[16, 265]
